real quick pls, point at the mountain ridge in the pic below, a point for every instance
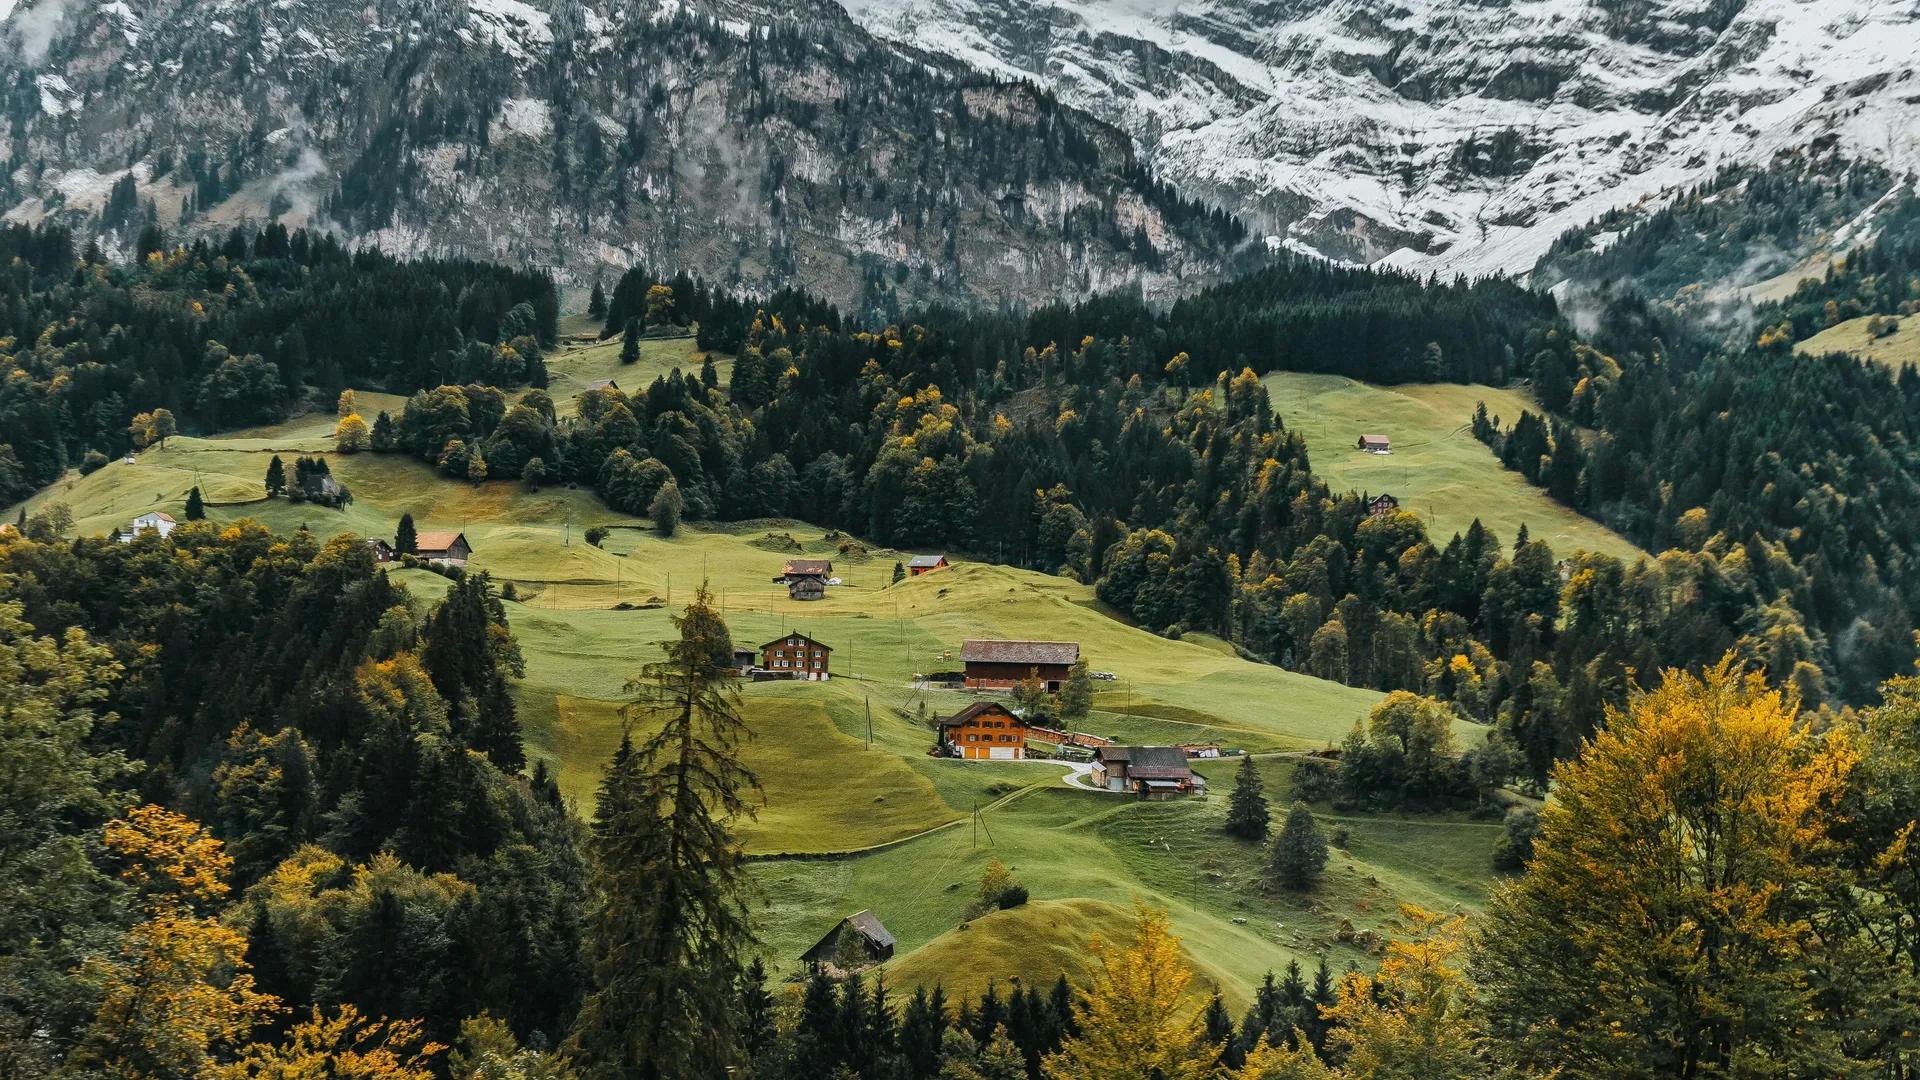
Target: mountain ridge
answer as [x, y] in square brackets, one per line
[1447, 137]
[759, 146]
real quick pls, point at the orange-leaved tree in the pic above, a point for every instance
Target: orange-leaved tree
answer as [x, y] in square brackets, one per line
[1132, 1019]
[178, 993]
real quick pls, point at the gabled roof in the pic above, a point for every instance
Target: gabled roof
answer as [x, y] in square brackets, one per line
[159, 514]
[1020, 652]
[1375, 439]
[603, 384]
[925, 562]
[798, 634]
[1158, 763]
[807, 567]
[868, 925]
[436, 541]
[976, 710]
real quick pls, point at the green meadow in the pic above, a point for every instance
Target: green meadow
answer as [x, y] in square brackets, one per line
[1896, 350]
[854, 813]
[1437, 469]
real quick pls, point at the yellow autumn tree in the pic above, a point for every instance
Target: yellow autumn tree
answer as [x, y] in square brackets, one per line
[351, 435]
[1132, 1018]
[343, 1046]
[178, 993]
[1670, 921]
[1413, 1019]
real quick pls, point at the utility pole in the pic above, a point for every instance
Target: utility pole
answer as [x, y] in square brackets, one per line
[869, 721]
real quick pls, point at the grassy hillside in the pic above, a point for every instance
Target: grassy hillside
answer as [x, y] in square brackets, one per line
[1437, 468]
[856, 814]
[1900, 348]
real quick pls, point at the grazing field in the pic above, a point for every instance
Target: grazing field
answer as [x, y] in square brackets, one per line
[1896, 350]
[855, 814]
[1437, 469]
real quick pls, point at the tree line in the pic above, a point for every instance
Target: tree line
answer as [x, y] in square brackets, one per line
[224, 335]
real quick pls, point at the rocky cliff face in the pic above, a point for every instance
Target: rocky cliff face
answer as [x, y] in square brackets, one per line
[1450, 135]
[762, 144]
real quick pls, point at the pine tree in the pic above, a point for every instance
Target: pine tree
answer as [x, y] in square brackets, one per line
[1247, 816]
[630, 342]
[276, 477]
[405, 540]
[899, 573]
[196, 506]
[1076, 696]
[597, 301]
[667, 924]
[1300, 852]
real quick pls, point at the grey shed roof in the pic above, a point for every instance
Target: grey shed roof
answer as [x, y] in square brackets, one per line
[1158, 763]
[1020, 652]
[926, 562]
[869, 927]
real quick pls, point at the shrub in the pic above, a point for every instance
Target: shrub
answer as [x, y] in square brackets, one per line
[1013, 897]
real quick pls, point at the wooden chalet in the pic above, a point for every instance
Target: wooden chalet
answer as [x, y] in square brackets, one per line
[796, 656]
[998, 665]
[806, 579]
[1151, 772]
[1375, 444]
[154, 521]
[443, 547]
[925, 564]
[1382, 505]
[381, 551]
[985, 730]
[872, 935]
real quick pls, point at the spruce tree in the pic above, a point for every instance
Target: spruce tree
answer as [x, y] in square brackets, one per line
[1076, 696]
[1300, 853]
[1247, 807]
[196, 507]
[405, 540]
[899, 573]
[630, 342]
[667, 924]
[597, 301]
[276, 477]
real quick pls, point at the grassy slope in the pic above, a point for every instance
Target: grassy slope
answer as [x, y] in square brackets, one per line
[1898, 349]
[826, 791]
[1437, 468]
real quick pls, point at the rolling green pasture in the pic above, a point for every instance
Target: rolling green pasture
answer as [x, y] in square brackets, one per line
[855, 814]
[1437, 469]
[1896, 350]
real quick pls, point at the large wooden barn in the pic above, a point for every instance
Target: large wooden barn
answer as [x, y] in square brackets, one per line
[998, 665]
[984, 730]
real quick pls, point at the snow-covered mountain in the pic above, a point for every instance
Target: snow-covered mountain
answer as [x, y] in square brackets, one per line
[1450, 135]
[767, 143]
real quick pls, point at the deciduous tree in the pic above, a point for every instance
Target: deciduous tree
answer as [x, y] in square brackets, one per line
[1131, 1018]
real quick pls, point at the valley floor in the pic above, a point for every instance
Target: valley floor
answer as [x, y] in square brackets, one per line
[856, 814]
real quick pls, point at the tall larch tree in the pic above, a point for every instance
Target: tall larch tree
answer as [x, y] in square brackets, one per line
[1668, 924]
[1131, 1019]
[668, 931]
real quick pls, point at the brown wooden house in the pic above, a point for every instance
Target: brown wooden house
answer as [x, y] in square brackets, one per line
[984, 730]
[796, 656]
[1375, 444]
[924, 564]
[806, 579]
[1151, 772]
[873, 938]
[447, 547]
[1382, 505]
[998, 665]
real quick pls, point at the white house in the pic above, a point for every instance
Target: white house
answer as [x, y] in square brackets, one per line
[153, 519]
